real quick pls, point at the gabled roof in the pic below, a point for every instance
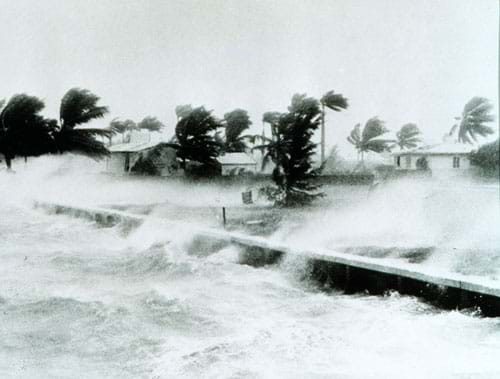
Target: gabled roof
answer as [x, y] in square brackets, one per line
[236, 159]
[133, 147]
[439, 149]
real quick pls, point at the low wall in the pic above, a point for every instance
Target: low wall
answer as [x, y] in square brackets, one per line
[330, 269]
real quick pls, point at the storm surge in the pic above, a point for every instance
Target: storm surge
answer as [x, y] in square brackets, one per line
[80, 299]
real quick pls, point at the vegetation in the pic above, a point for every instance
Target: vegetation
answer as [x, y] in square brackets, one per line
[475, 116]
[291, 150]
[369, 139]
[407, 137]
[79, 106]
[336, 102]
[25, 132]
[487, 157]
[122, 127]
[195, 136]
[151, 124]
[236, 122]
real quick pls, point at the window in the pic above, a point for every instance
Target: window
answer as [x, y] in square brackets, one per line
[456, 162]
[127, 162]
[408, 161]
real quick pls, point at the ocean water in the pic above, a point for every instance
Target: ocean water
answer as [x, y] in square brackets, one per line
[78, 300]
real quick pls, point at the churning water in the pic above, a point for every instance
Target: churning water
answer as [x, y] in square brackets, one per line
[79, 300]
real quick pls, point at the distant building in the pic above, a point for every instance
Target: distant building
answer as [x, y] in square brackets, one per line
[446, 159]
[124, 157]
[237, 164]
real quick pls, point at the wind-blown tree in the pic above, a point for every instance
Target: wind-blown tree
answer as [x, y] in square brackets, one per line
[235, 123]
[369, 139]
[121, 127]
[336, 102]
[487, 157]
[195, 136]
[23, 131]
[182, 111]
[79, 106]
[475, 116]
[151, 124]
[274, 147]
[407, 136]
[291, 149]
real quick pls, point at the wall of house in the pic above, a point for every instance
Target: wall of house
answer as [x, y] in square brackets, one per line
[237, 169]
[115, 163]
[438, 164]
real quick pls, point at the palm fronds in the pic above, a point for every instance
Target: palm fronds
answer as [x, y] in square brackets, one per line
[334, 101]
[476, 113]
[79, 106]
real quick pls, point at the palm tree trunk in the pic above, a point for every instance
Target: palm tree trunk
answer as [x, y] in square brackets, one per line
[322, 133]
[8, 162]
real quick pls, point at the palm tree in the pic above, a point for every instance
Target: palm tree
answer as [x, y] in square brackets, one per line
[79, 106]
[336, 102]
[476, 113]
[291, 149]
[236, 122]
[407, 137]
[195, 136]
[121, 127]
[369, 139]
[24, 132]
[151, 124]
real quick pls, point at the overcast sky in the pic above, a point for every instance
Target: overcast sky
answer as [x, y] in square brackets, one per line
[401, 60]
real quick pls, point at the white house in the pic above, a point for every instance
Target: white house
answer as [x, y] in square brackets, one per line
[237, 164]
[124, 156]
[445, 159]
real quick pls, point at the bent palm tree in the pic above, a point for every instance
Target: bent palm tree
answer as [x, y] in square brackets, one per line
[476, 113]
[79, 106]
[195, 136]
[407, 137]
[236, 122]
[369, 139]
[121, 127]
[24, 132]
[336, 102]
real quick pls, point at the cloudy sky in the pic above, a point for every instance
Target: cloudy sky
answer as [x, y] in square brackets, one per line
[401, 60]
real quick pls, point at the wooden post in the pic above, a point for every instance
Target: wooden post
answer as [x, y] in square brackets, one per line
[224, 216]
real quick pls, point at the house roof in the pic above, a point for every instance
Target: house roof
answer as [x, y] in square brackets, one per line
[132, 147]
[439, 149]
[236, 159]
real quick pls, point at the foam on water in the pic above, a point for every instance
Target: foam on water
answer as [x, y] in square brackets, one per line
[77, 299]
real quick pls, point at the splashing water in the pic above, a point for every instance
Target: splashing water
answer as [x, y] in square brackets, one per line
[80, 300]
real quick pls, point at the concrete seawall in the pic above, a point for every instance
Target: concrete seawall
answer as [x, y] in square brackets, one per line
[350, 273]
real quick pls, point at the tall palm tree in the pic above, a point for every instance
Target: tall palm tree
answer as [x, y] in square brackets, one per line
[407, 136]
[476, 113]
[291, 149]
[369, 139]
[336, 102]
[79, 106]
[24, 131]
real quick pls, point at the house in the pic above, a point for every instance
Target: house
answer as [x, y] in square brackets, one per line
[237, 164]
[445, 159]
[126, 158]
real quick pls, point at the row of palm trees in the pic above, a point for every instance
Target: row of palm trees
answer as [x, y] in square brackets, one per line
[473, 124]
